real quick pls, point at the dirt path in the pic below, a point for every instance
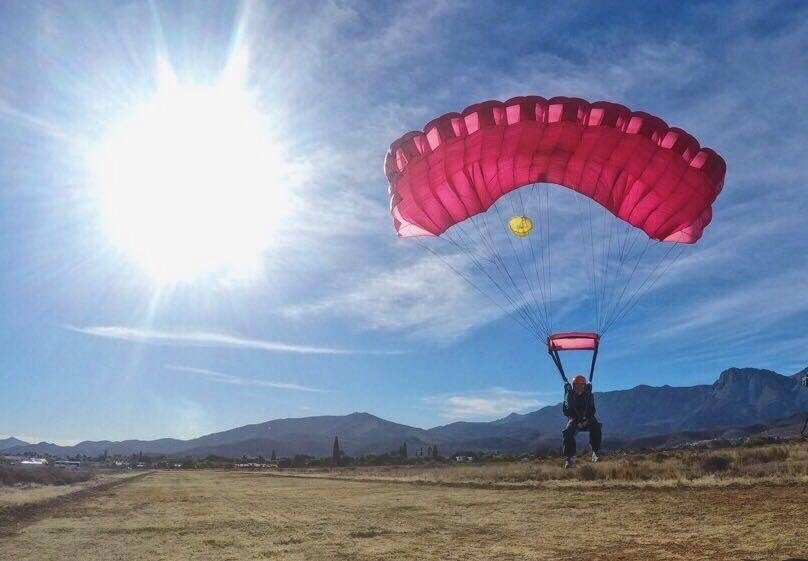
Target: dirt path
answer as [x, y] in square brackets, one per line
[14, 517]
[226, 515]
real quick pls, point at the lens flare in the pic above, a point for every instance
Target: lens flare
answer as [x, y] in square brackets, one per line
[190, 182]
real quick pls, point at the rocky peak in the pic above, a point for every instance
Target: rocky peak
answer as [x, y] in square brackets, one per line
[748, 377]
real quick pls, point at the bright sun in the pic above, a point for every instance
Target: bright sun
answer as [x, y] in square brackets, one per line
[189, 181]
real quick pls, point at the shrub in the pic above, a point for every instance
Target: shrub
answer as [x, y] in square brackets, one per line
[45, 475]
[587, 473]
[757, 440]
[628, 470]
[763, 455]
[714, 464]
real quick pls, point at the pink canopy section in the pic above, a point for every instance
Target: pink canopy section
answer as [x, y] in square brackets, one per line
[573, 341]
[650, 175]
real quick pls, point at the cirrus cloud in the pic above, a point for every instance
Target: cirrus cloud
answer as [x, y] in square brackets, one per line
[225, 378]
[183, 338]
[489, 404]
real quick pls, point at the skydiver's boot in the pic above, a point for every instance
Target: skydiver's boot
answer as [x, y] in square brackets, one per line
[569, 463]
[595, 457]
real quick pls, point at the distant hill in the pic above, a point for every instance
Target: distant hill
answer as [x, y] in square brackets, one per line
[11, 443]
[742, 401]
[358, 433]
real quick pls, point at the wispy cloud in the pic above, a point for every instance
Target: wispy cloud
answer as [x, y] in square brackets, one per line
[731, 325]
[423, 298]
[487, 404]
[182, 338]
[224, 378]
[761, 303]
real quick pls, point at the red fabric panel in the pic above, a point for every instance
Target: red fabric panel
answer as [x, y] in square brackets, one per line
[652, 176]
[573, 341]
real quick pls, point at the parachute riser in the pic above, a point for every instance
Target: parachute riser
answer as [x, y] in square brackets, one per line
[594, 360]
[557, 361]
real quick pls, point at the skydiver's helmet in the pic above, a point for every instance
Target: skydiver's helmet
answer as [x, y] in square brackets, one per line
[578, 381]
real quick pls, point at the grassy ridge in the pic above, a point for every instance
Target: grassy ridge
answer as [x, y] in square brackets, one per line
[781, 463]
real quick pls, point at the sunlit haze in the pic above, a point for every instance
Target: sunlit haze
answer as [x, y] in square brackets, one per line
[189, 180]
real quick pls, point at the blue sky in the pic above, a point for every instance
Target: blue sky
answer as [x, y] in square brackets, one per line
[343, 316]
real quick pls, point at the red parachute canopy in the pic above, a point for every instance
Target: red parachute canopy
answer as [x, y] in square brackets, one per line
[649, 175]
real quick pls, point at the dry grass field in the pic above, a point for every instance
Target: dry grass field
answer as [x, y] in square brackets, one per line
[775, 464]
[224, 515]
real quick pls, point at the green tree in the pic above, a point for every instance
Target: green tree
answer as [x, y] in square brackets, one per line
[272, 457]
[403, 452]
[301, 460]
[335, 452]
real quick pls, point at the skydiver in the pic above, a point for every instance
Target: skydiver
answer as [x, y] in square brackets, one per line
[579, 408]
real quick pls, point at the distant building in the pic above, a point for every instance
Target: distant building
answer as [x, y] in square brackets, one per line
[256, 465]
[14, 459]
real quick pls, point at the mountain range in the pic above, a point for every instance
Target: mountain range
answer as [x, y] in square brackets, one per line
[740, 402]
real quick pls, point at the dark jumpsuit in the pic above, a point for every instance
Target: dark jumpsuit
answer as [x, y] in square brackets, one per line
[580, 409]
